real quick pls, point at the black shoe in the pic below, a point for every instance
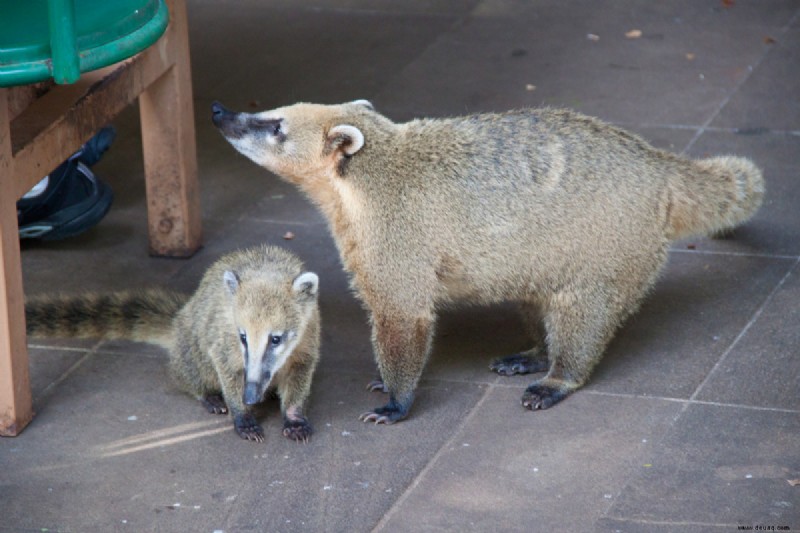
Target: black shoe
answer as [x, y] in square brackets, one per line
[73, 200]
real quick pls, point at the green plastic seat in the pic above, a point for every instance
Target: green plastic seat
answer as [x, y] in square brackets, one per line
[59, 39]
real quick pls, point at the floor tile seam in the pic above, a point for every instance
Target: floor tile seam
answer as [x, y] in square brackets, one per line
[220, 222]
[753, 319]
[56, 347]
[255, 218]
[490, 380]
[15, 529]
[750, 71]
[645, 521]
[379, 12]
[66, 374]
[458, 21]
[685, 405]
[97, 349]
[669, 426]
[710, 129]
[736, 254]
[387, 516]
[87, 354]
[499, 383]
[744, 131]
[118, 353]
[631, 469]
[688, 402]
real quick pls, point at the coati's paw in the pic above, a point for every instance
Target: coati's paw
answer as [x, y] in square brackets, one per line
[377, 385]
[215, 404]
[298, 429]
[518, 364]
[542, 395]
[388, 414]
[248, 428]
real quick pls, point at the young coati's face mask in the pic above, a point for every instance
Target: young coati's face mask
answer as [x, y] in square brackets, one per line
[296, 141]
[270, 320]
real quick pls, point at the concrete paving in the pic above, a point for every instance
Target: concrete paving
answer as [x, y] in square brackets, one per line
[690, 423]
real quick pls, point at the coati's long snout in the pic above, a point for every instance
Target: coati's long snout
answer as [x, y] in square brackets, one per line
[229, 122]
[254, 390]
[235, 125]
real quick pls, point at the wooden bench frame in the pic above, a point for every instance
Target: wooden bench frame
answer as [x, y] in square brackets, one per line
[53, 127]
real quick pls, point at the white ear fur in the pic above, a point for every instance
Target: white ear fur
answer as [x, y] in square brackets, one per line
[231, 281]
[306, 283]
[348, 137]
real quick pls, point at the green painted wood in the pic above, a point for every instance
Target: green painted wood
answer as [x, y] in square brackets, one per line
[103, 32]
[63, 41]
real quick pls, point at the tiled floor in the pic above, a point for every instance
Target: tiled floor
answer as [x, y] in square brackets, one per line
[690, 423]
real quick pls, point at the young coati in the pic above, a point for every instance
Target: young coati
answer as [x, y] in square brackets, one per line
[566, 215]
[252, 325]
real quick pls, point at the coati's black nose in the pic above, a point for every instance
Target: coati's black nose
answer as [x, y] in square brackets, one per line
[219, 113]
[251, 394]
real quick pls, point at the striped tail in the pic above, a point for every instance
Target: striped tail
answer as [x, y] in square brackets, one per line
[145, 315]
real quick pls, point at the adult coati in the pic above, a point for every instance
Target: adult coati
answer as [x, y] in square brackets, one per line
[563, 213]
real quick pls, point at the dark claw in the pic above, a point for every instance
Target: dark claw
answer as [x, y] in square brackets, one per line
[215, 404]
[518, 364]
[371, 416]
[298, 430]
[540, 396]
[390, 413]
[248, 428]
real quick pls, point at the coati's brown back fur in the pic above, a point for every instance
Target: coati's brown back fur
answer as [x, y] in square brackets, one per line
[245, 300]
[563, 213]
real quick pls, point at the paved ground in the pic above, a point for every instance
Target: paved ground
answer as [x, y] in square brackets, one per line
[692, 420]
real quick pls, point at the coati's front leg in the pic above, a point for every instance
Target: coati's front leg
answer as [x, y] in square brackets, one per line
[527, 362]
[214, 403]
[402, 345]
[294, 387]
[244, 422]
[377, 385]
[247, 426]
[296, 426]
[579, 325]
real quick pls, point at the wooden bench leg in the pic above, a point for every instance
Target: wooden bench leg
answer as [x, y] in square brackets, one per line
[170, 154]
[16, 408]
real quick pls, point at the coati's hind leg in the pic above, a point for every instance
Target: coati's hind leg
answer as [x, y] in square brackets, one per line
[527, 362]
[377, 385]
[579, 325]
[530, 361]
[402, 345]
[214, 404]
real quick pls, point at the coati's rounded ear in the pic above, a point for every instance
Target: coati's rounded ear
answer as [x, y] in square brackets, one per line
[346, 138]
[231, 281]
[365, 103]
[306, 284]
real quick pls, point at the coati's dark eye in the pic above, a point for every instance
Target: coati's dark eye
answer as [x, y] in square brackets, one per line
[275, 339]
[243, 338]
[271, 126]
